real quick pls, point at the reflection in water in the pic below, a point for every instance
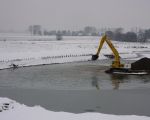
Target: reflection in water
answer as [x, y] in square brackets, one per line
[95, 80]
[70, 77]
[117, 79]
[144, 78]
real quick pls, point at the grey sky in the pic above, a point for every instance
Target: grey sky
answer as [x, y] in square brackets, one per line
[74, 14]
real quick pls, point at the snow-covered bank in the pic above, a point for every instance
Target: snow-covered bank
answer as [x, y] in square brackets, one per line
[11, 110]
[28, 53]
[38, 51]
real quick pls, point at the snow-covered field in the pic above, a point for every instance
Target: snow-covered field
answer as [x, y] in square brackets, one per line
[11, 110]
[30, 50]
[37, 50]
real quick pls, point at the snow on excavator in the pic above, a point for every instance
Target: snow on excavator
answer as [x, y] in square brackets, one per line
[116, 67]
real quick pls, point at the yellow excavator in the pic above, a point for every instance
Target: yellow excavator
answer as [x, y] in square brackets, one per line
[117, 66]
[116, 63]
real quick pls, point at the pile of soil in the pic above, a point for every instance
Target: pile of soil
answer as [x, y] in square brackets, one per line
[142, 64]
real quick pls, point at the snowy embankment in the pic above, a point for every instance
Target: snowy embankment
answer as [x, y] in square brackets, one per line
[27, 51]
[34, 50]
[11, 110]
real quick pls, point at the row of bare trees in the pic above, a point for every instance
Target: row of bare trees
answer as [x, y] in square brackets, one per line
[140, 36]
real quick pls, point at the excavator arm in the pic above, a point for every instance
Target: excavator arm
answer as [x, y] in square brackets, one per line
[95, 57]
[116, 63]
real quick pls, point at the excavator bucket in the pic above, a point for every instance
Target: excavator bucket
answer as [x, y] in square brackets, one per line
[95, 57]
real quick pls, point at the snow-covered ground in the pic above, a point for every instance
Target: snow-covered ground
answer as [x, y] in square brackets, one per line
[11, 110]
[37, 50]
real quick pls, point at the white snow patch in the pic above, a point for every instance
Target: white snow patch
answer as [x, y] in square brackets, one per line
[18, 111]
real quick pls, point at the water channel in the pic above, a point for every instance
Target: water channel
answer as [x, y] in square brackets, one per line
[77, 88]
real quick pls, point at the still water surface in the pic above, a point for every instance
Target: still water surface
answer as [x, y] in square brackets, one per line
[77, 87]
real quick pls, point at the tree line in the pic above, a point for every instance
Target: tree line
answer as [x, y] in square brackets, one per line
[139, 36]
[114, 33]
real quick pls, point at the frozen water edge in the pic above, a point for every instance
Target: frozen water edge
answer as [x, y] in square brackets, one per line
[44, 61]
[11, 110]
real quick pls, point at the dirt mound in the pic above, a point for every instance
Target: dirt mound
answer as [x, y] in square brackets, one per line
[142, 64]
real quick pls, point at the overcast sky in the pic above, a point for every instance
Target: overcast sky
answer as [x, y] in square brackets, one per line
[74, 14]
